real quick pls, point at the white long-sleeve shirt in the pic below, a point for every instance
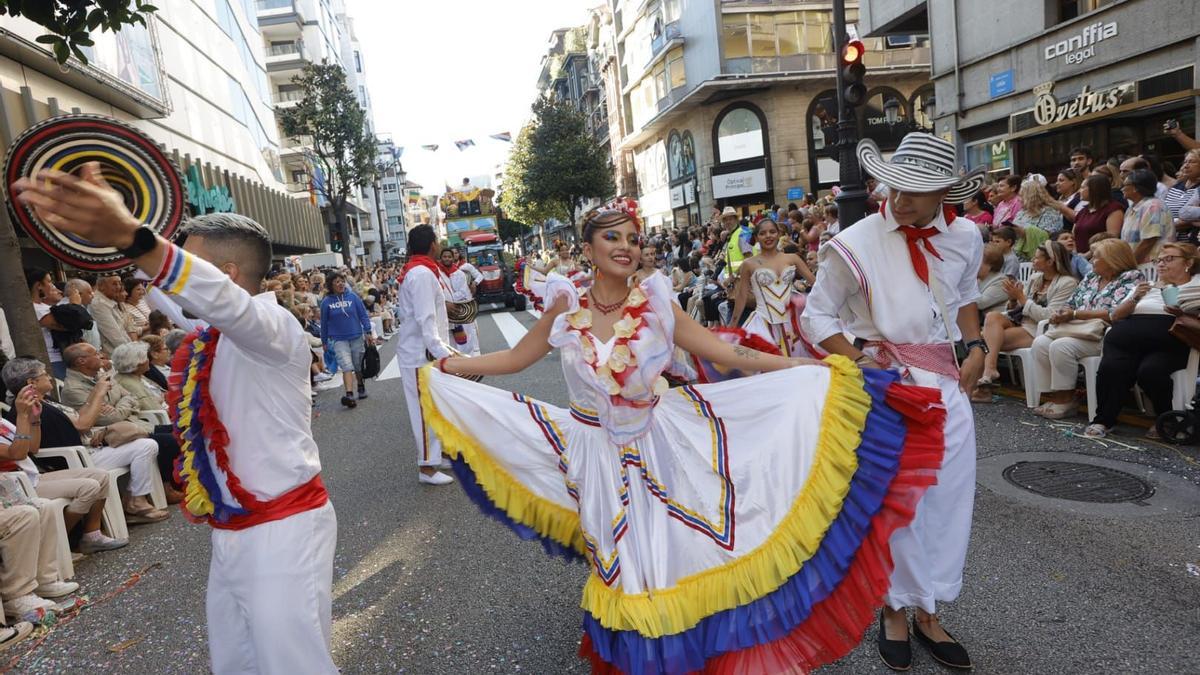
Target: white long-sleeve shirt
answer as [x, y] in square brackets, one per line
[461, 280]
[881, 298]
[259, 383]
[422, 315]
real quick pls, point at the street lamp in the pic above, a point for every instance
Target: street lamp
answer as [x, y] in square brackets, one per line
[891, 112]
[930, 108]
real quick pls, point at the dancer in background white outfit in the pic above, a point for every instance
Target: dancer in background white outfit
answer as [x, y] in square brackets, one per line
[424, 333]
[769, 277]
[908, 316]
[258, 484]
[463, 280]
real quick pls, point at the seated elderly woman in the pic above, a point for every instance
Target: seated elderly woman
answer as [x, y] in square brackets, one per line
[991, 280]
[160, 361]
[1048, 290]
[1077, 329]
[131, 361]
[1138, 349]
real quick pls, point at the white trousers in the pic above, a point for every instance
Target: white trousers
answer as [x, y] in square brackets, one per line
[1058, 360]
[269, 603]
[930, 553]
[141, 456]
[429, 448]
[471, 348]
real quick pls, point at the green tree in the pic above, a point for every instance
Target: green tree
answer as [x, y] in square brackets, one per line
[511, 230]
[555, 163]
[69, 22]
[329, 119]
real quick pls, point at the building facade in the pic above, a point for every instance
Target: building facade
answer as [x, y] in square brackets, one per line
[1106, 74]
[295, 33]
[212, 113]
[391, 199]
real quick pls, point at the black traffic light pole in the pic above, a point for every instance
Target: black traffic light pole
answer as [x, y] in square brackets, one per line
[852, 200]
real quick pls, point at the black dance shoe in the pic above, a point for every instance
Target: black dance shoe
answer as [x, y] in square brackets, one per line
[896, 654]
[950, 654]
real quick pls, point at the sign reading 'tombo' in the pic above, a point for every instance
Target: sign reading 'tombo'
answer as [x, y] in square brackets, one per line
[740, 183]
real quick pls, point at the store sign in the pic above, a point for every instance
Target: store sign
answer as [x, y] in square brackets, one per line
[1047, 109]
[203, 199]
[999, 153]
[740, 183]
[1081, 47]
[677, 199]
[795, 193]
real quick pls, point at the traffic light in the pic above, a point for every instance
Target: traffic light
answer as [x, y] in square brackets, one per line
[853, 71]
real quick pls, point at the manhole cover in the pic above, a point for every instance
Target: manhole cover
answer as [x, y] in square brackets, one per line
[1078, 482]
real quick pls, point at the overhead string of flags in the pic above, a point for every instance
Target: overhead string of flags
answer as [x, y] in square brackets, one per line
[465, 143]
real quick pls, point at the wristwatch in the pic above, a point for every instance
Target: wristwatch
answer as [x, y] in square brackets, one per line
[144, 241]
[977, 343]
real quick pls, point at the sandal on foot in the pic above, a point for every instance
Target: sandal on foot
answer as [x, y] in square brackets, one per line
[1059, 411]
[1152, 434]
[1095, 431]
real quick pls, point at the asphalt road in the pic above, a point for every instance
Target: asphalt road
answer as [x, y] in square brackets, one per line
[425, 584]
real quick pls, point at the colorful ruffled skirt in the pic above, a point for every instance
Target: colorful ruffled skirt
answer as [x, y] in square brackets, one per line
[746, 532]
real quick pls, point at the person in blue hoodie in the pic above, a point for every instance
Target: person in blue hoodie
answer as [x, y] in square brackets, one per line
[346, 328]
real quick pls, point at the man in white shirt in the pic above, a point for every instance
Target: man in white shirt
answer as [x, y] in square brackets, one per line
[258, 484]
[110, 321]
[464, 278]
[424, 332]
[903, 283]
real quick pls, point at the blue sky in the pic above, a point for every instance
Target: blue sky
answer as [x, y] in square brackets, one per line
[441, 71]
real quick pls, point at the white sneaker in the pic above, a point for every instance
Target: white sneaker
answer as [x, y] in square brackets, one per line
[56, 589]
[11, 635]
[437, 478]
[29, 608]
[99, 542]
[322, 377]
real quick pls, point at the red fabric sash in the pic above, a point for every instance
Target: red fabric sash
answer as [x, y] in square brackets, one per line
[306, 497]
[420, 261]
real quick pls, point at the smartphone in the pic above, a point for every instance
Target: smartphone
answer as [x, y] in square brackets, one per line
[1171, 125]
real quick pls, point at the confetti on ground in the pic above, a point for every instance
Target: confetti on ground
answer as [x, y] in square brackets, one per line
[124, 644]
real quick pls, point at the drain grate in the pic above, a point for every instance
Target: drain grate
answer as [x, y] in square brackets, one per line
[1078, 482]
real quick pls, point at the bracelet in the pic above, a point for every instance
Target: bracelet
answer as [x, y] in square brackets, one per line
[442, 364]
[22, 437]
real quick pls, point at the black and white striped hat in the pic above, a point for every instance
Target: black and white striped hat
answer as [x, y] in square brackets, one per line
[922, 163]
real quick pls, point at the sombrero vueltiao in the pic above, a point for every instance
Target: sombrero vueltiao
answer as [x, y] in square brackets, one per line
[922, 163]
[130, 161]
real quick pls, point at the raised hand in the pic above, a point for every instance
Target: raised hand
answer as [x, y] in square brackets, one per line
[85, 205]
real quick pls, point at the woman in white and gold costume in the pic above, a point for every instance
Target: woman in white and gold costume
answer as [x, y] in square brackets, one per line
[769, 278]
[720, 534]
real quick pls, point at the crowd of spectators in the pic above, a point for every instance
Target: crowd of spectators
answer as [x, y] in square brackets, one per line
[110, 342]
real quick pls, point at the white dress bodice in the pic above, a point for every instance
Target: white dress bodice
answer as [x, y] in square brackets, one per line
[618, 381]
[773, 293]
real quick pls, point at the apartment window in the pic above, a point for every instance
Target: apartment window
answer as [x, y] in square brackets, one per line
[357, 62]
[1069, 9]
[675, 71]
[389, 188]
[762, 35]
[735, 36]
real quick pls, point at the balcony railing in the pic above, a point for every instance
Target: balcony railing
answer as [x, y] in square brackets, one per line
[267, 5]
[285, 49]
[670, 33]
[891, 58]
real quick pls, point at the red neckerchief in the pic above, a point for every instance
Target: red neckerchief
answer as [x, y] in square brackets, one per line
[915, 236]
[449, 270]
[420, 261]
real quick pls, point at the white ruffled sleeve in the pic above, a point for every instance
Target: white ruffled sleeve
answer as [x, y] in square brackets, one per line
[557, 286]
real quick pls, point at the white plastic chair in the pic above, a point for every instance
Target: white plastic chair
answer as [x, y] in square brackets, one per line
[66, 565]
[1150, 271]
[1025, 272]
[1029, 378]
[155, 417]
[78, 457]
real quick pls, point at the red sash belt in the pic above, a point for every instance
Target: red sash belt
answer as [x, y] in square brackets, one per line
[306, 497]
[936, 358]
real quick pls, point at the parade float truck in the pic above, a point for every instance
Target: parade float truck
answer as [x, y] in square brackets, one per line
[471, 222]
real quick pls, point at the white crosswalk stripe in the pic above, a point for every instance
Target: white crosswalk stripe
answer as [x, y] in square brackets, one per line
[512, 329]
[537, 314]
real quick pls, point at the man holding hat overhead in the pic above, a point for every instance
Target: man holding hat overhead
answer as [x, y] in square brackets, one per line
[902, 283]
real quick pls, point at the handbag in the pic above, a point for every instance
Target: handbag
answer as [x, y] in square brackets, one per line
[1080, 329]
[1186, 329]
[118, 433]
[370, 362]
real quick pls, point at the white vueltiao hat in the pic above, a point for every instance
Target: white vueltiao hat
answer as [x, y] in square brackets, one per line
[922, 163]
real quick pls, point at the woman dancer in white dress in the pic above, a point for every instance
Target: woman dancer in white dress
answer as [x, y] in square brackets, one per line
[720, 534]
[769, 277]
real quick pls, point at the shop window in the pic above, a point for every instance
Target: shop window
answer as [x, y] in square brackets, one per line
[822, 121]
[739, 134]
[875, 117]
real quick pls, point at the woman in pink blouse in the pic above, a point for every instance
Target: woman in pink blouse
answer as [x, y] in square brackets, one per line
[1007, 200]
